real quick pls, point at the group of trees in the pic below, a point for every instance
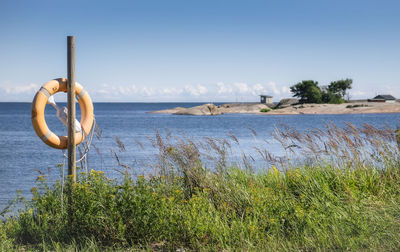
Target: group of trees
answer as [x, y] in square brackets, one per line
[308, 91]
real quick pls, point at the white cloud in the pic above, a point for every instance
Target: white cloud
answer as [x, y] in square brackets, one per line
[236, 91]
[147, 91]
[107, 90]
[31, 88]
[123, 91]
[220, 91]
[134, 92]
[242, 88]
[258, 89]
[271, 86]
[102, 91]
[17, 92]
[171, 91]
[195, 90]
[224, 89]
[202, 89]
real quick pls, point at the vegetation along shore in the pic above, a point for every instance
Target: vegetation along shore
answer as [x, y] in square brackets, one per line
[337, 194]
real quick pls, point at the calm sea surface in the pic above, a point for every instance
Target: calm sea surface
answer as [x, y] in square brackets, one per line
[23, 155]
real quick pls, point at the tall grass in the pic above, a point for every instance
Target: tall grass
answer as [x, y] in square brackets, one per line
[334, 189]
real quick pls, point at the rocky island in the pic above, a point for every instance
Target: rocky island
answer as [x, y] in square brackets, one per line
[286, 107]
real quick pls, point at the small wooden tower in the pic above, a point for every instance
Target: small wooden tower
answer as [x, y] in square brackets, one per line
[266, 99]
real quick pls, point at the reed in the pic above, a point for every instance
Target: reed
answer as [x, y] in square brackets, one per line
[335, 188]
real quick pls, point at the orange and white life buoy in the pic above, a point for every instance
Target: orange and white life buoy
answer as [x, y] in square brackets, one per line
[39, 122]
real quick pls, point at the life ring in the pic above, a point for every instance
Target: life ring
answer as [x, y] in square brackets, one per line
[39, 122]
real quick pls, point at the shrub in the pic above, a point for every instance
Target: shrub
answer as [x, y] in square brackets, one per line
[357, 106]
[265, 110]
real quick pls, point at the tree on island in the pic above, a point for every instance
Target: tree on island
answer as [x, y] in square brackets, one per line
[308, 91]
[340, 87]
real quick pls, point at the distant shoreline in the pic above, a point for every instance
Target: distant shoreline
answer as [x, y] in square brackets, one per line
[296, 109]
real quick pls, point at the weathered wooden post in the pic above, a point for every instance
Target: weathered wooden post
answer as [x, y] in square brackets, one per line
[71, 126]
[71, 109]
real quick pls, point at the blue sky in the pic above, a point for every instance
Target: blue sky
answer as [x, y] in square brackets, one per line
[149, 51]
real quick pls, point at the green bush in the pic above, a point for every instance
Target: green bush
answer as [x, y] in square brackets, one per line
[332, 98]
[357, 106]
[265, 110]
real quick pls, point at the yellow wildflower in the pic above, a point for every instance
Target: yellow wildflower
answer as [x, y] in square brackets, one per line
[276, 172]
[299, 212]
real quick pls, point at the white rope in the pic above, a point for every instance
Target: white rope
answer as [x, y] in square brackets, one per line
[87, 143]
[62, 183]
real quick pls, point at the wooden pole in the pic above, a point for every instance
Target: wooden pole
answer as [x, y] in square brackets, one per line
[71, 108]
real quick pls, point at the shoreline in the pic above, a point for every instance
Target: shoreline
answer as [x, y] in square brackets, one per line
[295, 109]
